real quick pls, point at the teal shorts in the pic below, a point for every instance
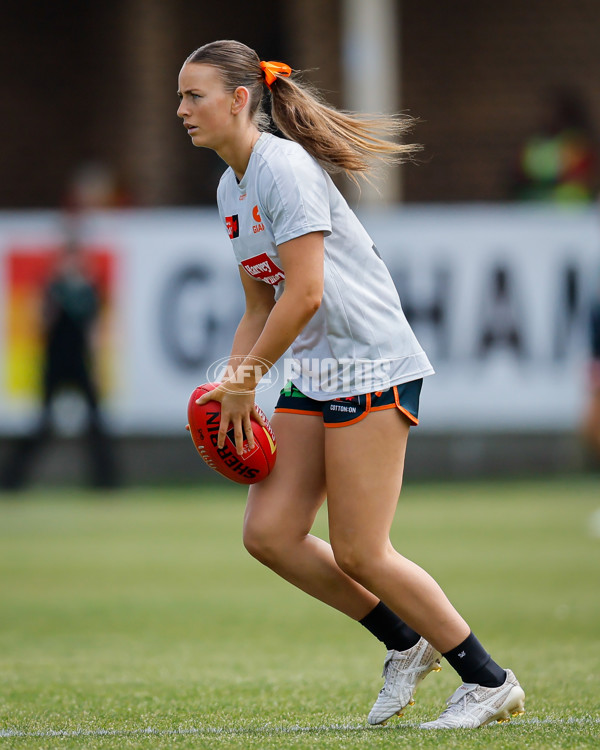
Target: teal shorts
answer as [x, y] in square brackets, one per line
[340, 412]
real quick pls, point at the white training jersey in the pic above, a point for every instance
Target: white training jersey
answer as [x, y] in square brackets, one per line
[359, 340]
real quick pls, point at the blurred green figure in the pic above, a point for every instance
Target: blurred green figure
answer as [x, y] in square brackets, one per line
[559, 164]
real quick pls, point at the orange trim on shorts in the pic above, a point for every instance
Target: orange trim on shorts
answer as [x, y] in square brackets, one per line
[282, 410]
[411, 417]
[356, 419]
[345, 424]
[406, 413]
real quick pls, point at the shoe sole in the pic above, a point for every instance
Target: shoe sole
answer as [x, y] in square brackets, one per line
[513, 706]
[435, 667]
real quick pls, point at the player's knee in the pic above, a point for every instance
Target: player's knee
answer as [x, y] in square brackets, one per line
[256, 541]
[362, 564]
[263, 541]
[350, 559]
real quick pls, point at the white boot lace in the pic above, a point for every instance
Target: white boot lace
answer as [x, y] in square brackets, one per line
[457, 703]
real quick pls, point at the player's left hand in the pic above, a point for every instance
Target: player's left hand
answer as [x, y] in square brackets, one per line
[237, 409]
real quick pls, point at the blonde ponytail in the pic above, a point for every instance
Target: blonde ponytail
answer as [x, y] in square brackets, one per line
[341, 141]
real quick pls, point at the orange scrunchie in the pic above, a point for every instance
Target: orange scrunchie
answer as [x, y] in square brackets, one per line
[271, 68]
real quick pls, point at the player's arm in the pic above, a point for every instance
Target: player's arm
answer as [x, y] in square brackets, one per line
[302, 260]
[260, 298]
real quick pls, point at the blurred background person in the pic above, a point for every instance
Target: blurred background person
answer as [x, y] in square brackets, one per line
[94, 186]
[559, 163]
[70, 307]
[71, 304]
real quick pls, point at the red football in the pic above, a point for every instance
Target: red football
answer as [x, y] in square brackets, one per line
[253, 465]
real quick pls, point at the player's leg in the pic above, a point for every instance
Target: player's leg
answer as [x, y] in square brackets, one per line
[280, 513]
[364, 464]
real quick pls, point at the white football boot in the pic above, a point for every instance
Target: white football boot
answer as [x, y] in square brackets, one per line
[473, 706]
[403, 670]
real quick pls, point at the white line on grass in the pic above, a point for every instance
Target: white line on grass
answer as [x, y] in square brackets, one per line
[263, 730]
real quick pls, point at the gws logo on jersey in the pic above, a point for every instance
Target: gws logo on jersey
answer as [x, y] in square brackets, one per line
[233, 226]
[262, 267]
[259, 226]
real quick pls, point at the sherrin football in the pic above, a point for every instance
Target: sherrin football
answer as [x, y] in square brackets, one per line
[253, 465]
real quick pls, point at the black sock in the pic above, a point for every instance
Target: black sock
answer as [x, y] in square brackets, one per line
[389, 628]
[474, 664]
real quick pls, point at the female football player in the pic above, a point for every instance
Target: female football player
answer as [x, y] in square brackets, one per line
[314, 282]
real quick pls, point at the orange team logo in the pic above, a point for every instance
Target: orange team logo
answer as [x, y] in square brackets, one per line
[259, 226]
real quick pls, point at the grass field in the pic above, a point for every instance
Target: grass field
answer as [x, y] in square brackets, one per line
[137, 620]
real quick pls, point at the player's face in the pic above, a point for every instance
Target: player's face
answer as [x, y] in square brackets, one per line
[205, 106]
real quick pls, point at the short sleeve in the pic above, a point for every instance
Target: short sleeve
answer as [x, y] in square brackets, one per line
[220, 197]
[296, 196]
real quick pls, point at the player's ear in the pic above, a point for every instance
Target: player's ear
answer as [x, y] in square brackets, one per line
[241, 97]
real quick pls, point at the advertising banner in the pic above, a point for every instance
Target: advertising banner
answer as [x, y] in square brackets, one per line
[498, 297]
